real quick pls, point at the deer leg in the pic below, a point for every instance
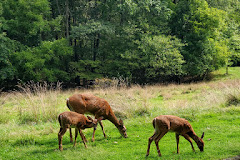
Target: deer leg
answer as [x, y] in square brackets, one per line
[177, 139]
[157, 140]
[70, 132]
[83, 137]
[100, 122]
[189, 140]
[76, 134]
[153, 137]
[60, 135]
[94, 129]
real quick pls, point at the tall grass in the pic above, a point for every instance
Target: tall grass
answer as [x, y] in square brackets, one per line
[41, 102]
[35, 102]
[201, 98]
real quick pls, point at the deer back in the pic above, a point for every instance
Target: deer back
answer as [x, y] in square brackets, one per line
[70, 118]
[86, 103]
[173, 123]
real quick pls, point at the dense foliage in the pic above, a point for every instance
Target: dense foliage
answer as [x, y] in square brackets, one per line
[146, 41]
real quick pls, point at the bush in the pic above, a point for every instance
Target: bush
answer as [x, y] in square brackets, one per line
[48, 62]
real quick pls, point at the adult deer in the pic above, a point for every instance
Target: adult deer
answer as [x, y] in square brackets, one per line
[78, 121]
[180, 126]
[86, 103]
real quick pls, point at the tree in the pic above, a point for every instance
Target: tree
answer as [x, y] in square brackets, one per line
[6, 46]
[145, 41]
[200, 28]
[47, 62]
[26, 21]
[233, 28]
[157, 59]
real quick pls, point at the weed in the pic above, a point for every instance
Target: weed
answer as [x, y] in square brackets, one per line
[142, 112]
[233, 100]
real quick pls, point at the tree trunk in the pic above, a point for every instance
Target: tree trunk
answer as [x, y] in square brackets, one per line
[67, 18]
[96, 46]
[227, 70]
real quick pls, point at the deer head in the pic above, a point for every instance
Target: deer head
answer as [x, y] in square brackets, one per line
[122, 129]
[92, 122]
[200, 144]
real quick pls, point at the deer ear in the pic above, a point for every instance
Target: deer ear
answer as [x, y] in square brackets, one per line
[121, 122]
[90, 118]
[202, 135]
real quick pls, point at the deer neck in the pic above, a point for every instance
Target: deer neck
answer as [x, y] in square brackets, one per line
[112, 118]
[196, 138]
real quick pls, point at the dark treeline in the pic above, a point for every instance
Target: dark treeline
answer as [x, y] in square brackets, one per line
[145, 41]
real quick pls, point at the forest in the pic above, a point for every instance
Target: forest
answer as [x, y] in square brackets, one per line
[141, 41]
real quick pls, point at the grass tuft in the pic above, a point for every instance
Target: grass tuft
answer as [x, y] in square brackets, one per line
[233, 100]
[142, 112]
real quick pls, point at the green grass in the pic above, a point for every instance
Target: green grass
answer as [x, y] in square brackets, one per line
[40, 141]
[233, 73]
[211, 107]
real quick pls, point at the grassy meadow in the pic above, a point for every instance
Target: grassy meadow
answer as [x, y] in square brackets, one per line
[29, 127]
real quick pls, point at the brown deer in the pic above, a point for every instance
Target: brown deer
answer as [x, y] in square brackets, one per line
[86, 103]
[180, 126]
[78, 121]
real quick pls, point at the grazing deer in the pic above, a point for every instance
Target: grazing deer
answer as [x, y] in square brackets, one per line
[180, 126]
[85, 103]
[78, 121]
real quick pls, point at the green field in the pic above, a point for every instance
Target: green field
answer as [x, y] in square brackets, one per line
[29, 127]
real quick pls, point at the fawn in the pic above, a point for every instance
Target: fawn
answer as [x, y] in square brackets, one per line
[180, 126]
[78, 121]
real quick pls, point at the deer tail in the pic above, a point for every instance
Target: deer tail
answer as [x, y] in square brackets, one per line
[68, 105]
[60, 119]
[153, 122]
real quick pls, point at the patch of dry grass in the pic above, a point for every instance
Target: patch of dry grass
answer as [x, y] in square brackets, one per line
[204, 97]
[41, 102]
[35, 102]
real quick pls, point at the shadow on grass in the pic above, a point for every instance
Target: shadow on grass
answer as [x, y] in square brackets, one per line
[34, 148]
[51, 146]
[31, 141]
[218, 76]
[108, 138]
